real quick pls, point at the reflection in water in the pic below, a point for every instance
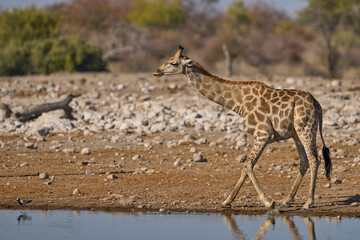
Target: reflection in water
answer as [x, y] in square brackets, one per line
[61, 225]
[270, 221]
[23, 217]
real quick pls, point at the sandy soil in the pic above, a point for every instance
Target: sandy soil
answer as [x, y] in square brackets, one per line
[152, 182]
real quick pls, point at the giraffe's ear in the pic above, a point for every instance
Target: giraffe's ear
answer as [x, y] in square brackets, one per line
[189, 62]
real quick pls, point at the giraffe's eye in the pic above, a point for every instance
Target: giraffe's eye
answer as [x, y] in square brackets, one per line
[174, 64]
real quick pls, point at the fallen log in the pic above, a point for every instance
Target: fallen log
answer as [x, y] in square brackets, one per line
[36, 111]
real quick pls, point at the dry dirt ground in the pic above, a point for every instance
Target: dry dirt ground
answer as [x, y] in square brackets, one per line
[151, 182]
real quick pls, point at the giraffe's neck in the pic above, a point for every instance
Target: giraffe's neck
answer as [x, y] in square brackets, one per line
[216, 89]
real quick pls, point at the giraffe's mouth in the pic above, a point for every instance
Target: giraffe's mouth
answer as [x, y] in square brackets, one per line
[158, 73]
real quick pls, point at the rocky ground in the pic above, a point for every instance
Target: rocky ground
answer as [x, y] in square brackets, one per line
[141, 143]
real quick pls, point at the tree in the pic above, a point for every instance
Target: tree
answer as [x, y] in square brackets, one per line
[237, 14]
[326, 16]
[156, 13]
[21, 25]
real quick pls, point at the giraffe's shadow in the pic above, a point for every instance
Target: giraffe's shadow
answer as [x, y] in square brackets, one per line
[348, 200]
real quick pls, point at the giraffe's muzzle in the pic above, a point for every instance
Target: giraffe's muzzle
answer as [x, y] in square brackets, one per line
[158, 73]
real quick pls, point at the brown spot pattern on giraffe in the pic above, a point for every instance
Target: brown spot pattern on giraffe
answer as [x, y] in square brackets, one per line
[251, 119]
[259, 116]
[251, 131]
[264, 106]
[246, 91]
[251, 105]
[255, 91]
[227, 95]
[249, 97]
[230, 104]
[274, 100]
[275, 109]
[218, 88]
[236, 109]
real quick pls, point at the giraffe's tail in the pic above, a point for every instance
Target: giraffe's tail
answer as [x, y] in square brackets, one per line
[325, 150]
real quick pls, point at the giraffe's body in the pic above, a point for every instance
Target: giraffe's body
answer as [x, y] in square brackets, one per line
[269, 115]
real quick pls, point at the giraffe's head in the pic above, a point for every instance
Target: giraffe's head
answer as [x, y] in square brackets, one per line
[175, 64]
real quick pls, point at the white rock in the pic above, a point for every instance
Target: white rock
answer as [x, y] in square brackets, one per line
[198, 157]
[136, 157]
[112, 176]
[290, 80]
[76, 191]
[201, 141]
[92, 116]
[157, 127]
[43, 175]
[31, 145]
[68, 150]
[85, 151]
[89, 172]
[336, 181]
[178, 162]
[194, 150]
[336, 83]
[120, 86]
[242, 158]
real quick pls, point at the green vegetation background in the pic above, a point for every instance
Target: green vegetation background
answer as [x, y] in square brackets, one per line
[136, 35]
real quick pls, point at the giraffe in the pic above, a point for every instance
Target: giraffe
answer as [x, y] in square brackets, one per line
[270, 115]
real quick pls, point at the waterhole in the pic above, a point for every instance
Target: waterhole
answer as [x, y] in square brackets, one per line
[61, 224]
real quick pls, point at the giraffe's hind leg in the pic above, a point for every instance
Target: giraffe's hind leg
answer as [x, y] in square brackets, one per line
[307, 137]
[259, 146]
[304, 165]
[311, 152]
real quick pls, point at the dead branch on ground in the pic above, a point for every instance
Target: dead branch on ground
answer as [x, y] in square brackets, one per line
[35, 112]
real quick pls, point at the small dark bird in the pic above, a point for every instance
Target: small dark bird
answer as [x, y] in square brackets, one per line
[22, 202]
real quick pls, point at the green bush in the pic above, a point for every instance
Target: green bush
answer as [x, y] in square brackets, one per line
[65, 54]
[14, 59]
[22, 25]
[30, 43]
[156, 13]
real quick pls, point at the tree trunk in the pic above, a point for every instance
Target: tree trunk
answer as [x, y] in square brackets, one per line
[228, 61]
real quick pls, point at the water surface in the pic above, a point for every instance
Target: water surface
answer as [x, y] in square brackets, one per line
[100, 225]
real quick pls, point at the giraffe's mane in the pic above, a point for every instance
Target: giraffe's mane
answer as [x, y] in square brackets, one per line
[221, 80]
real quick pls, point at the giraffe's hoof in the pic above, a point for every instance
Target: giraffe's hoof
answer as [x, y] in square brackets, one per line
[306, 207]
[272, 205]
[226, 205]
[283, 203]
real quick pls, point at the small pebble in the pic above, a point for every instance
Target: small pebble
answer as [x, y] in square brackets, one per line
[85, 151]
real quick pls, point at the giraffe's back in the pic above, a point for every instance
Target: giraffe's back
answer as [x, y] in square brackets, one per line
[265, 107]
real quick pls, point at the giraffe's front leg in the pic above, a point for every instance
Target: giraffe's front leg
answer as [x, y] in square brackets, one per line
[235, 191]
[259, 146]
[262, 196]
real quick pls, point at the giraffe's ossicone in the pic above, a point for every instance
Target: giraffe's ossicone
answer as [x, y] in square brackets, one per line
[269, 115]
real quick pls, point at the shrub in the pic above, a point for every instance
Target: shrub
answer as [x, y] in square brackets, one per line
[65, 54]
[22, 25]
[156, 13]
[30, 43]
[14, 59]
